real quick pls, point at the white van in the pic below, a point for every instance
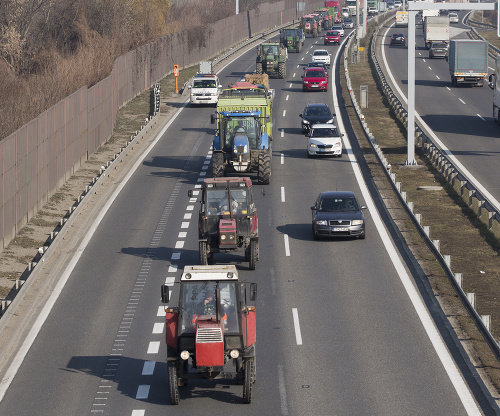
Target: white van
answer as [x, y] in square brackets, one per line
[205, 89]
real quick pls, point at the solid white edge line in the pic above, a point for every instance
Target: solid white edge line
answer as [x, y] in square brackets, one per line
[296, 325]
[434, 336]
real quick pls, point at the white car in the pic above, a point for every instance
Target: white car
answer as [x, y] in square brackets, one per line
[453, 17]
[321, 55]
[338, 28]
[324, 140]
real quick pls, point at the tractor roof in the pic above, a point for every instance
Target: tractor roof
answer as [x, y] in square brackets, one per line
[210, 272]
[213, 182]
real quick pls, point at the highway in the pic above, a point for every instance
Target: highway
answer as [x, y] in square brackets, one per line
[341, 329]
[461, 117]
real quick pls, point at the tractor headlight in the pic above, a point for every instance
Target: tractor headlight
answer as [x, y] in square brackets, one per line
[223, 237]
[234, 353]
[185, 355]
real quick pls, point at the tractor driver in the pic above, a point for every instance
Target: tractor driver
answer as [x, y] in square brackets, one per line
[207, 305]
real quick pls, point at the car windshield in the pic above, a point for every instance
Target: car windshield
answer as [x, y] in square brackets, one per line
[335, 204]
[347, 20]
[324, 132]
[200, 299]
[204, 83]
[315, 74]
[332, 33]
[322, 53]
[336, 27]
[317, 111]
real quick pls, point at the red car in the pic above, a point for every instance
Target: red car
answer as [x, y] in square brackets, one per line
[332, 36]
[314, 79]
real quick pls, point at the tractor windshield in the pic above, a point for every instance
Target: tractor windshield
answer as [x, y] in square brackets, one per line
[245, 126]
[289, 33]
[271, 49]
[218, 202]
[199, 301]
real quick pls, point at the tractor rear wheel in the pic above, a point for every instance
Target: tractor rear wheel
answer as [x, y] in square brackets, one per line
[217, 165]
[248, 381]
[282, 69]
[203, 251]
[315, 33]
[258, 68]
[173, 385]
[254, 254]
[299, 46]
[264, 168]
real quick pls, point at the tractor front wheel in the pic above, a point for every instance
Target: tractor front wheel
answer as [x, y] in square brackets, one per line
[264, 168]
[315, 33]
[217, 164]
[173, 384]
[258, 68]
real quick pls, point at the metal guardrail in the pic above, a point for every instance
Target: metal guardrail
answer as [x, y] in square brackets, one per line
[446, 167]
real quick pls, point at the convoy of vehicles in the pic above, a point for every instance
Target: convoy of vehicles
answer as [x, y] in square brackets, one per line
[227, 219]
[242, 142]
[212, 330]
[468, 62]
[436, 28]
[271, 59]
[326, 19]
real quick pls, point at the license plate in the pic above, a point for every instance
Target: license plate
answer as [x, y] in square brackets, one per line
[314, 86]
[336, 229]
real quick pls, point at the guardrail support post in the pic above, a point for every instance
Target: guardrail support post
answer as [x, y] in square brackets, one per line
[459, 277]
[471, 297]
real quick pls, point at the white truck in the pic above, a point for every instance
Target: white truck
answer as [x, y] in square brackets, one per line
[436, 28]
[205, 88]
[468, 62]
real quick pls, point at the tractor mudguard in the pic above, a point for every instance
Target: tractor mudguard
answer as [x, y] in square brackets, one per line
[216, 144]
[264, 141]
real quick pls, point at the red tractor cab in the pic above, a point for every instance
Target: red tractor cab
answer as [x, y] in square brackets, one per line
[227, 219]
[212, 327]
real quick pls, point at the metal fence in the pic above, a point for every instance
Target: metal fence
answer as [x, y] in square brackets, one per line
[37, 159]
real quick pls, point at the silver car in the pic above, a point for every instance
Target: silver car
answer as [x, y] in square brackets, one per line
[348, 23]
[324, 140]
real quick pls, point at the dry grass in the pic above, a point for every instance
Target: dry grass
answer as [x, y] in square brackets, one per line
[462, 234]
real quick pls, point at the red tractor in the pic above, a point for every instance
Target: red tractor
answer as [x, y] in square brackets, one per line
[309, 25]
[227, 219]
[212, 327]
[327, 22]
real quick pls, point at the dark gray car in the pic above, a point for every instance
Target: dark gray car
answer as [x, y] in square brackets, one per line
[438, 50]
[315, 113]
[337, 214]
